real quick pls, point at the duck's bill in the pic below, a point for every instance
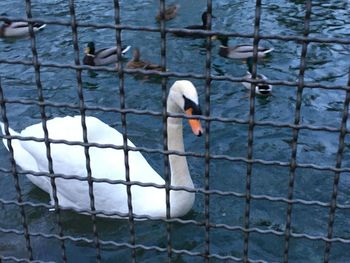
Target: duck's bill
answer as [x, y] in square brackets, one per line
[125, 49]
[40, 26]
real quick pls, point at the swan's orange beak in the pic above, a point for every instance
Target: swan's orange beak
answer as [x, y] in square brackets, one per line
[195, 124]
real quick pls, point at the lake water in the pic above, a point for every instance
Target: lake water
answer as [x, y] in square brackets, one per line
[326, 63]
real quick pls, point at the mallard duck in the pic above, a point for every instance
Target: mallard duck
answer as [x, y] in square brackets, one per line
[108, 163]
[239, 51]
[18, 29]
[102, 56]
[203, 26]
[169, 13]
[260, 88]
[136, 62]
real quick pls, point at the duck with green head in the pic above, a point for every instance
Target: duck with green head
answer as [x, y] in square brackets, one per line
[261, 89]
[239, 51]
[101, 57]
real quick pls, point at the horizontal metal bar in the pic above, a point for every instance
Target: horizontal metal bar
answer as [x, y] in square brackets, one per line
[15, 259]
[306, 39]
[124, 245]
[311, 85]
[192, 154]
[224, 226]
[184, 116]
[196, 190]
[296, 38]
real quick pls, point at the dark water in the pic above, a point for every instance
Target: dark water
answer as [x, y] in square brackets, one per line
[326, 63]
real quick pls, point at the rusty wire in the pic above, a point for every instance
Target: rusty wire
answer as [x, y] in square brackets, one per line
[246, 229]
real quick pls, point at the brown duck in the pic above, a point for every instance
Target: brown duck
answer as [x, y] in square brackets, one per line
[169, 13]
[137, 63]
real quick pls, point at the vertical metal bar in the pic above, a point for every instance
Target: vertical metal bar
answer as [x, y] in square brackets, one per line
[41, 99]
[119, 67]
[338, 164]
[167, 175]
[83, 123]
[15, 175]
[251, 130]
[207, 133]
[293, 163]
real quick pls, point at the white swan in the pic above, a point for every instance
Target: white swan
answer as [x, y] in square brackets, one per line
[109, 163]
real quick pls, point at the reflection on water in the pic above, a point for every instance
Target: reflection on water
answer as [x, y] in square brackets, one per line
[325, 63]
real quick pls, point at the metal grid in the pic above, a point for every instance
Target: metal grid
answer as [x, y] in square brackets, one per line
[205, 255]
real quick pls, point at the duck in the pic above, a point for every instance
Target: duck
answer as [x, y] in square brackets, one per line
[203, 26]
[169, 13]
[137, 63]
[109, 163]
[20, 29]
[240, 51]
[261, 89]
[103, 56]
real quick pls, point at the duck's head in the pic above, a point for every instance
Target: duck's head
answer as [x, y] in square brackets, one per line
[250, 64]
[173, 9]
[136, 54]
[204, 18]
[90, 48]
[223, 39]
[184, 94]
[6, 21]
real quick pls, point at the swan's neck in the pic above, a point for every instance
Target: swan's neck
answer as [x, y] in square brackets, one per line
[180, 175]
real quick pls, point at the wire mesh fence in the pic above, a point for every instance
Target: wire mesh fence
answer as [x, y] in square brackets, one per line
[133, 245]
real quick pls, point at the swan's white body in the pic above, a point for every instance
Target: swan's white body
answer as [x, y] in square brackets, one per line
[106, 163]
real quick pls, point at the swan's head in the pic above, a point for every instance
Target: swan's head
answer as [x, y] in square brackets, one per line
[184, 94]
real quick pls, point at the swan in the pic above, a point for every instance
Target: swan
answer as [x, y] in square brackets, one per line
[108, 163]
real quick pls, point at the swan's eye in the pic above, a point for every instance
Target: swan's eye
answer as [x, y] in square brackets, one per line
[190, 105]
